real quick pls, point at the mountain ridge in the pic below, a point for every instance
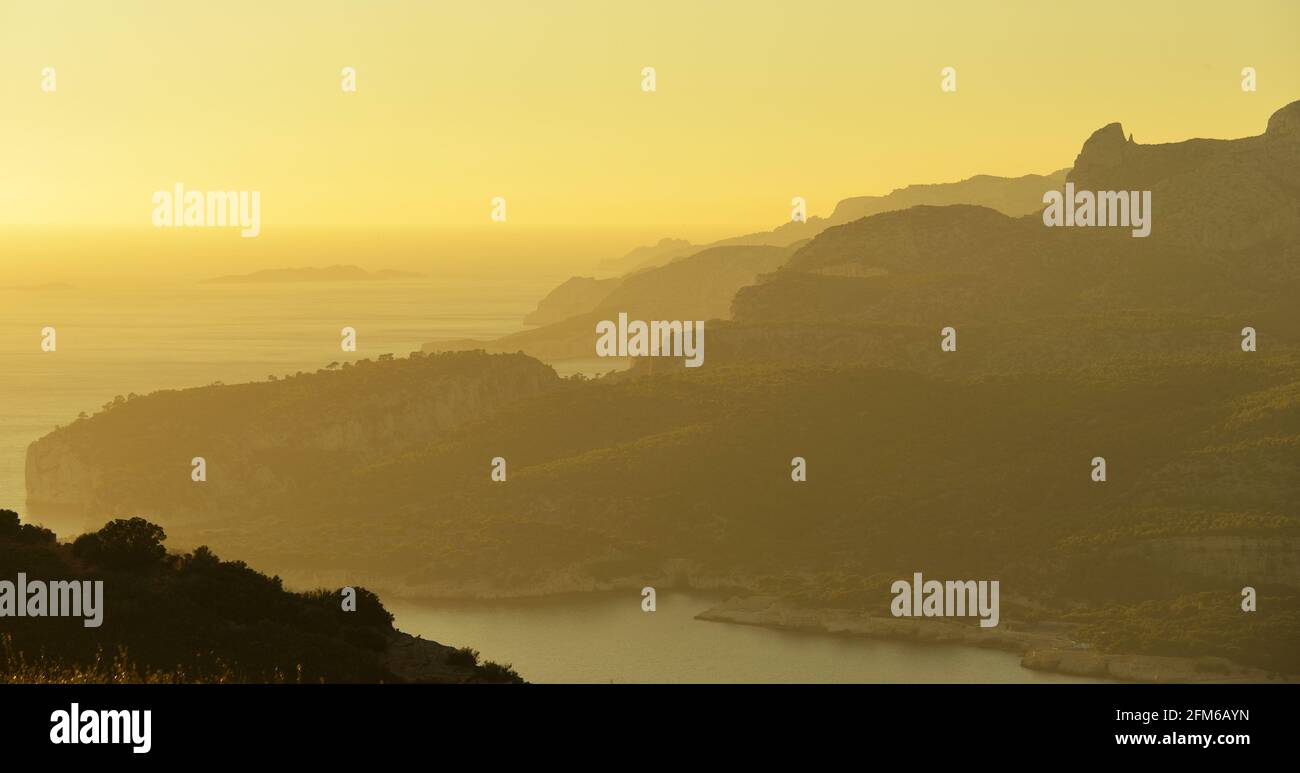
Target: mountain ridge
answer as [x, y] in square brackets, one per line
[1073, 343]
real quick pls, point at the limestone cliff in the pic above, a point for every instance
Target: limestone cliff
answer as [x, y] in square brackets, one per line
[137, 455]
[1205, 192]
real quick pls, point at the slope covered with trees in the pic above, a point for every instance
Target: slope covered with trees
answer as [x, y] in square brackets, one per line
[195, 618]
[1072, 344]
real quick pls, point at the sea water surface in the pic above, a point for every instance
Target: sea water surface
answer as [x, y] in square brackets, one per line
[608, 638]
[178, 334]
[173, 335]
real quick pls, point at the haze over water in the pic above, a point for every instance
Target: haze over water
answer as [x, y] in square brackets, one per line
[413, 175]
[134, 313]
[179, 334]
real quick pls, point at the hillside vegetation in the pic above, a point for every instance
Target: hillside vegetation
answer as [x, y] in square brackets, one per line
[192, 617]
[1072, 343]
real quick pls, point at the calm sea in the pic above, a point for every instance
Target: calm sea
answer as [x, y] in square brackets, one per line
[114, 341]
[607, 638]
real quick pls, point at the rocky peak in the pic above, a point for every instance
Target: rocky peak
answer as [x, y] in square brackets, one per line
[1105, 149]
[1285, 121]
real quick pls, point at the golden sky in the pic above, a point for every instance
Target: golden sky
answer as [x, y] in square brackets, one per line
[541, 102]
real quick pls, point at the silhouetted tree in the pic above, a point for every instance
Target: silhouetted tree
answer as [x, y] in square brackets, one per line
[123, 544]
[12, 529]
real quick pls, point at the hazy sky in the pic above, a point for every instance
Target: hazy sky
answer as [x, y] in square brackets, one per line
[541, 102]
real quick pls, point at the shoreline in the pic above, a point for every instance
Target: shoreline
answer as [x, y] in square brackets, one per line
[1042, 646]
[1046, 647]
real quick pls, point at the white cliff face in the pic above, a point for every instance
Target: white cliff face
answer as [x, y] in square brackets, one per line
[259, 438]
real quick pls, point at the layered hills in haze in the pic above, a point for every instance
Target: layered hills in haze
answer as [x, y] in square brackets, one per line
[580, 295]
[1072, 343]
[1010, 195]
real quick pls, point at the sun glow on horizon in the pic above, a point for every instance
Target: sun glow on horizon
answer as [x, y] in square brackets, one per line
[756, 102]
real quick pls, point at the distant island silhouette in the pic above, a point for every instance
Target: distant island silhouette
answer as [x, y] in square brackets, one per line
[1076, 343]
[311, 274]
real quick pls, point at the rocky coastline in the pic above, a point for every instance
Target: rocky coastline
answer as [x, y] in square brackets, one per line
[1042, 646]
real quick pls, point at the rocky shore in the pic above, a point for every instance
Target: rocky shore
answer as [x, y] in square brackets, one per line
[1042, 646]
[423, 661]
